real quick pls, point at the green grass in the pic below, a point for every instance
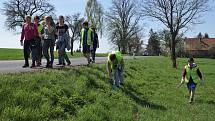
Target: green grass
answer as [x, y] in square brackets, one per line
[17, 54]
[84, 94]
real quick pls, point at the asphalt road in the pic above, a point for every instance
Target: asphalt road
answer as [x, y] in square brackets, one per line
[15, 66]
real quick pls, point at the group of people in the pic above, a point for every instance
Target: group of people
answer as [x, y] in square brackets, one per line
[39, 39]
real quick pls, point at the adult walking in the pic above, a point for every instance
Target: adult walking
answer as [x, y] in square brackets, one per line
[39, 45]
[95, 44]
[29, 32]
[63, 42]
[86, 41]
[48, 35]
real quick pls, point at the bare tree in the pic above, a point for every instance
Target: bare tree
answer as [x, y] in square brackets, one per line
[122, 23]
[95, 12]
[74, 22]
[16, 10]
[175, 15]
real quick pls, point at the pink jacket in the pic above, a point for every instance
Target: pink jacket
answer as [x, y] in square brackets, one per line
[29, 32]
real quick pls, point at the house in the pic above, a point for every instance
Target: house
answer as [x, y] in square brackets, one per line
[199, 47]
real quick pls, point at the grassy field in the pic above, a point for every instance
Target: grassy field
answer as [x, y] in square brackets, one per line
[17, 54]
[84, 94]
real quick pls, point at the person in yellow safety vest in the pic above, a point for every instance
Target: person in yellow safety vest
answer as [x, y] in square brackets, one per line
[86, 40]
[190, 75]
[115, 68]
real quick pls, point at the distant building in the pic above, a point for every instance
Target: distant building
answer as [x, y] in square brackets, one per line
[199, 46]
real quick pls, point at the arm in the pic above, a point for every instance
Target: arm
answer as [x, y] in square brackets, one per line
[109, 69]
[183, 77]
[97, 39]
[22, 34]
[199, 74]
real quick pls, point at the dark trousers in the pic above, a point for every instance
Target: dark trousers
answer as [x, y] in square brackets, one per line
[40, 50]
[30, 49]
[93, 54]
[49, 46]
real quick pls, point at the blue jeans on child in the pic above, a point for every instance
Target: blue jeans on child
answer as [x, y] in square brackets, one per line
[118, 77]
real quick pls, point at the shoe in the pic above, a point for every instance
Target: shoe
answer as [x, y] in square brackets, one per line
[191, 100]
[25, 66]
[69, 64]
[93, 61]
[49, 66]
[33, 66]
[59, 64]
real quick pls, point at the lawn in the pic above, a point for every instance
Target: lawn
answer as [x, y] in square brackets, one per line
[84, 94]
[17, 54]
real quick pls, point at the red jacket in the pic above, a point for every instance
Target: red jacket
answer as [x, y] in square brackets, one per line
[29, 32]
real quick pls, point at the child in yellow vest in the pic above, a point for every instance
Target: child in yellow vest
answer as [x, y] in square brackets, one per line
[190, 75]
[115, 68]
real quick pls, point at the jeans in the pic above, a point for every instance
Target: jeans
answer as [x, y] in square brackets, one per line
[49, 45]
[62, 52]
[118, 77]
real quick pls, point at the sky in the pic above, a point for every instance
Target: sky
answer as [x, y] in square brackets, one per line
[10, 39]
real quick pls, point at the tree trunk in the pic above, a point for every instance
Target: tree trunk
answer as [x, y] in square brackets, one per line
[173, 55]
[72, 42]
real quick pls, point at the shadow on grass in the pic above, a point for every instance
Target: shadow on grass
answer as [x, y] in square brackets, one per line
[210, 102]
[142, 102]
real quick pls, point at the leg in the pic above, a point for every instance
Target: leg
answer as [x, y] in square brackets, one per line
[45, 51]
[26, 51]
[52, 54]
[94, 54]
[86, 52]
[116, 77]
[34, 56]
[192, 95]
[67, 59]
[60, 51]
[121, 77]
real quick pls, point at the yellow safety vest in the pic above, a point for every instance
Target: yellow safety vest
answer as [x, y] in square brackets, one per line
[191, 73]
[89, 39]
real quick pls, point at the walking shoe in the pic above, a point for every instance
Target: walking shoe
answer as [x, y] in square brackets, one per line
[25, 66]
[68, 64]
[191, 100]
[33, 66]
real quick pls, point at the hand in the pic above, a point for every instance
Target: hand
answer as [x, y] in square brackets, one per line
[21, 43]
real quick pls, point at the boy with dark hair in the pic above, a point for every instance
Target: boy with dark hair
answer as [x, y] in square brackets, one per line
[190, 75]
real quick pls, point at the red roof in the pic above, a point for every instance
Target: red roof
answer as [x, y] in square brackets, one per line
[199, 44]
